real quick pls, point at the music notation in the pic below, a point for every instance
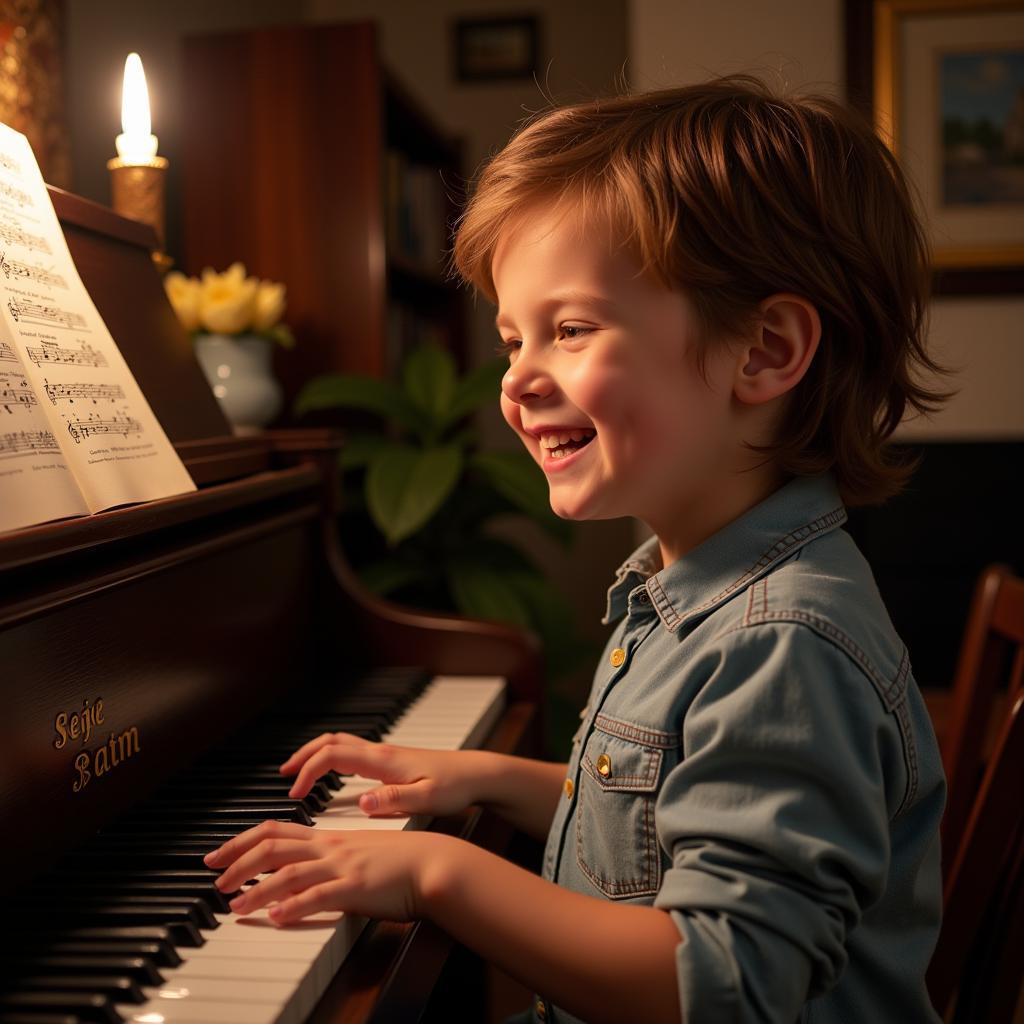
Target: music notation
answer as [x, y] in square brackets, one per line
[13, 235]
[30, 272]
[84, 356]
[7, 353]
[18, 441]
[8, 163]
[122, 425]
[28, 312]
[94, 392]
[21, 397]
[20, 196]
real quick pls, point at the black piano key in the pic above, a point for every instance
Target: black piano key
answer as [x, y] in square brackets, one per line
[40, 1018]
[141, 970]
[179, 921]
[114, 888]
[116, 989]
[83, 1006]
[251, 802]
[280, 811]
[160, 954]
[171, 935]
[264, 789]
[140, 909]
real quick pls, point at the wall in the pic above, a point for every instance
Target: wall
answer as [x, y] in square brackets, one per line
[798, 43]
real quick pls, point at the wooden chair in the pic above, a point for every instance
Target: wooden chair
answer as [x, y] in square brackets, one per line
[992, 653]
[984, 887]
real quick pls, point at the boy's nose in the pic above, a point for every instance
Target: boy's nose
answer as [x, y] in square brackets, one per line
[525, 381]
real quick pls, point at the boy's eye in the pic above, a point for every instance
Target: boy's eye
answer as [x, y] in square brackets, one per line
[508, 346]
[572, 331]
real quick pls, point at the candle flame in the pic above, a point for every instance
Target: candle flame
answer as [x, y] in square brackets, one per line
[135, 99]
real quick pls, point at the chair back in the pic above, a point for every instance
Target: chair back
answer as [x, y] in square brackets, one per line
[991, 660]
[983, 881]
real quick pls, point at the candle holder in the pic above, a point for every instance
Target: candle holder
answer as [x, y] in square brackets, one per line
[137, 191]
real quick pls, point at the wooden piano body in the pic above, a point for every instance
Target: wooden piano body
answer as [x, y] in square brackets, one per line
[189, 615]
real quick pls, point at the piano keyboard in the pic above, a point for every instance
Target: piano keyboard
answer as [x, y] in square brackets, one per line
[240, 970]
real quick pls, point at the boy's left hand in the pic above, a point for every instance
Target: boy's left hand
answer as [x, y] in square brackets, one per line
[372, 873]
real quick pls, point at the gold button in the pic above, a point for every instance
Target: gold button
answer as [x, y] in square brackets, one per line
[541, 1010]
[568, 789]
[604, 766]
[618, 657]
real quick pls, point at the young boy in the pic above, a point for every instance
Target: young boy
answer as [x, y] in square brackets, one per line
[712, 299]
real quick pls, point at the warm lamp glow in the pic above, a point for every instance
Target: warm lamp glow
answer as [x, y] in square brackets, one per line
[136, 144]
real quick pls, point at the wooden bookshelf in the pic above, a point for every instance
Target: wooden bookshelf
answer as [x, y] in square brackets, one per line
[305, 159]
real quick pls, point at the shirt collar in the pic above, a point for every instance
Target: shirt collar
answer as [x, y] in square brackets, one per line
[732, 558]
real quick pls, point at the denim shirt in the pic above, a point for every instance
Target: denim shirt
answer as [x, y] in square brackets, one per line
[756, 760]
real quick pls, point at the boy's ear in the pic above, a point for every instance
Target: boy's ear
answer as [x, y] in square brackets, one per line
[775, 360]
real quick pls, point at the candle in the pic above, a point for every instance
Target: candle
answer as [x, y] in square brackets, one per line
[137, 173]
[135, 144]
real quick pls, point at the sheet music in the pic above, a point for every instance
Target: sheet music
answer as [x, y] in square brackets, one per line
[76, 433]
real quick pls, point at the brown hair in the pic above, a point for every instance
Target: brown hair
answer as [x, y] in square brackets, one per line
[731, 194]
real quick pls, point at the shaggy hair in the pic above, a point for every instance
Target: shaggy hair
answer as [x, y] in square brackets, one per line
[731, 193]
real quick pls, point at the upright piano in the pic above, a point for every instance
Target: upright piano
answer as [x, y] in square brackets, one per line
[138, 643]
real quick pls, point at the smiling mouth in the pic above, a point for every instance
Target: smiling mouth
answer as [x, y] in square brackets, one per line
[559, 446]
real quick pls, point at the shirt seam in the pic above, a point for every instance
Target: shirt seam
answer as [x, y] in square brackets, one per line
[673, 620]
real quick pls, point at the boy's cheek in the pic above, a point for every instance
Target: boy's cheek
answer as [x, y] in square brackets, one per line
[511, 411]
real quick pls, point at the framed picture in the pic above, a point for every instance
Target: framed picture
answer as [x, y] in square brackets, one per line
[488, 49]
[946, 80]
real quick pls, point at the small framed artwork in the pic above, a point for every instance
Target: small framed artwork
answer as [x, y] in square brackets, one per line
[947, 81]
[490, 49]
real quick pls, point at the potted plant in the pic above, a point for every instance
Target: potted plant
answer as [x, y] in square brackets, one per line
[424, 502]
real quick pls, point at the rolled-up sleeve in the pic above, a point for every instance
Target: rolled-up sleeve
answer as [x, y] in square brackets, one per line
[775, 821]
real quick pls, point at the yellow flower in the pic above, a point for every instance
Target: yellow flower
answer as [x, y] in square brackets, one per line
[183, 293]
[269, 305]
[227, 300]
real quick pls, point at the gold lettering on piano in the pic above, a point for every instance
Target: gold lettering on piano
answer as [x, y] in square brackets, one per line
[105, 757]
[78, 723]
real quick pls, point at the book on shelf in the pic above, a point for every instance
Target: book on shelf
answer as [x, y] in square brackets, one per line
[415, 214]
[77, 435]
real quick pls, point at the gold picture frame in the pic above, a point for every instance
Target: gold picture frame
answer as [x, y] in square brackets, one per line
[924, 51]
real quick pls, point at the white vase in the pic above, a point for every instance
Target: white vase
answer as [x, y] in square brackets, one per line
[237, 367]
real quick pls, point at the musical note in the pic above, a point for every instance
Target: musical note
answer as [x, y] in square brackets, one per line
[21, 197]
[39, 441]
[8, 163]
[28, 312]
[31, 272]
[84, 356]
[12, 398]
[123, 425]
[13, 235]
[7, 353]
[95, 392]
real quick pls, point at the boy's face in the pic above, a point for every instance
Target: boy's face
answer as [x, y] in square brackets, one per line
[603, 385]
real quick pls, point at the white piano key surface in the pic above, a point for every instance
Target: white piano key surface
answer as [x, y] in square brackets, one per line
[252, 972]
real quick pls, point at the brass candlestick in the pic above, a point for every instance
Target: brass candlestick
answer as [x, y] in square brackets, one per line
[137, 191]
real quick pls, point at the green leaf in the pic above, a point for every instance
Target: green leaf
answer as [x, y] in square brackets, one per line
[429, 379]
[349, 391]
[475, 389]
[518, 479]
[485, 593]
[405, 486]
[359, 449]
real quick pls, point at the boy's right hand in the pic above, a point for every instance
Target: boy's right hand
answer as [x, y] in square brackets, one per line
[416, 781]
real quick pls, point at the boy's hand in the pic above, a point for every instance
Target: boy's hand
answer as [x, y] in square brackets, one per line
[417, 781]
[375, 874]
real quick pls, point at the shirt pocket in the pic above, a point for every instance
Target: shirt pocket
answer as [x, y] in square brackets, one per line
[616, 839]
